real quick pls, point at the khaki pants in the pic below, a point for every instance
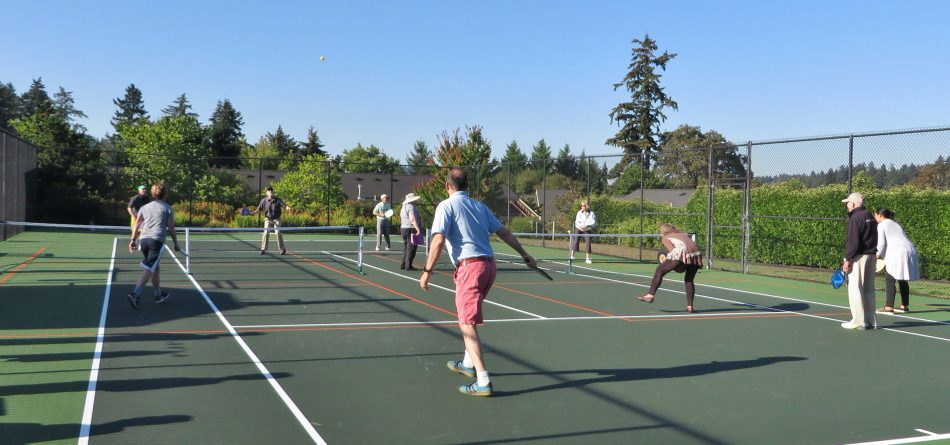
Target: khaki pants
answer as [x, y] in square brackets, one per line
[268, 223]
[861, 296]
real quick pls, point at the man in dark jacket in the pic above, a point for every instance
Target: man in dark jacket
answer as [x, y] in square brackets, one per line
[272, 206]
[859, 250]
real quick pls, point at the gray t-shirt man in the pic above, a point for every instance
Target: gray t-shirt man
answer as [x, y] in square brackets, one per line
[155, 216]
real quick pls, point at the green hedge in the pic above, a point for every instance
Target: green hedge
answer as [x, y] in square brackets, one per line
[924, 214]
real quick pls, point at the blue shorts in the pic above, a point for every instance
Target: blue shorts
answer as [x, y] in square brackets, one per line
[152, 250]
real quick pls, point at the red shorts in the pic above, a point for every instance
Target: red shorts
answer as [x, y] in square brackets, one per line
[472, 282]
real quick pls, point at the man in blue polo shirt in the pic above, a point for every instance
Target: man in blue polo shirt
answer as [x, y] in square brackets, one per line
[464, 225]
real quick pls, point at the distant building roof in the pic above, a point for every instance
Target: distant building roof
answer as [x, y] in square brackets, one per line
[673, 197]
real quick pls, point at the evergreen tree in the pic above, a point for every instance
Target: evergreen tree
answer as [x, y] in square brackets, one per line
[65, 107]
[225, 135]
[541, 157]
[9, 105]
[287, 147]
[640, 118]
[313, 146]
[514, 160]
[419, 160]
[180, 107]
[131, 108]
[566, 164]
[34, 98]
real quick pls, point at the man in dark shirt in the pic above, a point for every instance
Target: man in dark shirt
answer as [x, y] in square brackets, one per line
[137, 202]
[271, 206]
[859, 251]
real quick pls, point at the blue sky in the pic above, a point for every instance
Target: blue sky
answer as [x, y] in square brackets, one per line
[396, 72]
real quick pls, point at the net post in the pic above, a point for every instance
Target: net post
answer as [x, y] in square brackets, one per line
[359, 251]
[188, 250]
[570, 259]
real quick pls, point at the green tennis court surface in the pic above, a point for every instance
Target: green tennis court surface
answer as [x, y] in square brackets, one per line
[303, 348]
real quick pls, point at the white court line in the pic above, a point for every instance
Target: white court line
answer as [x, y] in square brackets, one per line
[929, 433]
[906, 440]
[86, 424]
[307, 426]
[505, 320]
[452, 291]
[760, 306]
[711, 286]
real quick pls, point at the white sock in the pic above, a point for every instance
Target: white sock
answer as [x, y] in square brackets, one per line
[483, 379]
[467, 361]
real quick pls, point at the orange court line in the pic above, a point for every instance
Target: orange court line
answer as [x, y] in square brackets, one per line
[379, 286]
[10, 274]
[535, 296]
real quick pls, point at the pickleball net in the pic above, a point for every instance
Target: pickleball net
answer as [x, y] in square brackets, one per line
[553, 249]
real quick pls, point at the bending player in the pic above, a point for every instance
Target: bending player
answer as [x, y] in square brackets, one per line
[684, 256]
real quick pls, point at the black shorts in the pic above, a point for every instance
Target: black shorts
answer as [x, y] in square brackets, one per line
[152, 251]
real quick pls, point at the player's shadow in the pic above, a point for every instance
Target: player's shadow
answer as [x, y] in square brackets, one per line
[625, 375]
[128, 385]
[67, 356]
[24, 433]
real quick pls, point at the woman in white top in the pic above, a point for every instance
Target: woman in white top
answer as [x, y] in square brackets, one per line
[584, 223]
[901, 263]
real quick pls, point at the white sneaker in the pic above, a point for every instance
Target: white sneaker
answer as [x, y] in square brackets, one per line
[588, 261]
[377, 247]
[850, 325]
[387, 248]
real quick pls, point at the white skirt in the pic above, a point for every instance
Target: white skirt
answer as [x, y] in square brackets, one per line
[902, 262]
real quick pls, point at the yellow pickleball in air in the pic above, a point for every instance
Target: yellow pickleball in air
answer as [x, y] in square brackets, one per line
[322, 58]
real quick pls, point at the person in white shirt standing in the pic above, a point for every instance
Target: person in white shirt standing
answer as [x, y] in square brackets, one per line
[901, 263]
[584, 223]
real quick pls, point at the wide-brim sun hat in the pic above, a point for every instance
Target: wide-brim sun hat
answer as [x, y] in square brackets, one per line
[411, 197]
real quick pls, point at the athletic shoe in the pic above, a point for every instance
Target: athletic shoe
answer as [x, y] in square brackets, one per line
[283, 251]
[476, 390]
[159, 299]
[850, 325]
[588, 261]
[262, 251]
[886, 311]
[133, 300]
[387, 248]
[901, 310]
[457, 366]
[377, 247]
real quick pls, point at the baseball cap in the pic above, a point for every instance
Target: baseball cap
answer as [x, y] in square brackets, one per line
[856, 198]
[141, 187]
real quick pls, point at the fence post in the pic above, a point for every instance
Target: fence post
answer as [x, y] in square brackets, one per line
[710, 210]
[508, 194]
[544, 196]
[326, 189]
[640, 241]
[850, 161]
[747, 210]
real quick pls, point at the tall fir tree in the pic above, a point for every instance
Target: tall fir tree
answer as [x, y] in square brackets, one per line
[640, 118]
[65, 107]
[566, 164]
[131, 108]
[225, 135]
[286, 147]
[419, 160]
[541, 157]
[180, 107]
[9, 105]
[33, 99]
[313, 146]
[514, 160]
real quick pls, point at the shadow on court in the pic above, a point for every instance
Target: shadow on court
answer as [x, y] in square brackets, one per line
[128, 385]
[24, 433]
[567, 379]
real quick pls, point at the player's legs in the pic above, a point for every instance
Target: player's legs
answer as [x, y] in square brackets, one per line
[280, 237]
[266, 237]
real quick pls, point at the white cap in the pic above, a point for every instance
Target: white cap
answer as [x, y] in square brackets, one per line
[856, 198]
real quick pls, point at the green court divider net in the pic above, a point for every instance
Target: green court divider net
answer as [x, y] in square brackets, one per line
[85, 245]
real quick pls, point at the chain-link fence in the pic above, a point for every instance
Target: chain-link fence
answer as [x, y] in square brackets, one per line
[767, 207]
[17, 180]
